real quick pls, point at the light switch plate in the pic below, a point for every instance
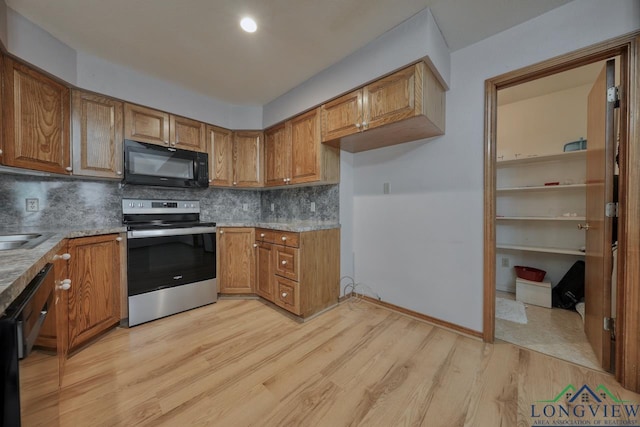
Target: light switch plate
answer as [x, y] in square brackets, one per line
[313, 206]
[32, 205]
[245, 207]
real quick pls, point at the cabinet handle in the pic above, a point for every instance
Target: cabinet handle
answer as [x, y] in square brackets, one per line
[284, 294]
[284, 238]
[118, 172]
[584, 227]
[118, 239]
[284, 262]
[63, 256]
[65, 285]
[261, 234]
[68, 169]
[255, 245]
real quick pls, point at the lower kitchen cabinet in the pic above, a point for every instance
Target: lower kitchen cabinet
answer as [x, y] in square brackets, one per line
[236, 260]
[304, 272]
[93, 300]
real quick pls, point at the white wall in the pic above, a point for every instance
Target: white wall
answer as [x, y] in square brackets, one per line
[347, 267]
[421, 246]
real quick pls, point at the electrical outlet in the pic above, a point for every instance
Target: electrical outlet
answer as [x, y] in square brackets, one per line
[313, 206]
[245, 207]
[504, 261]
[385, 188]
[32, 205]
[273, 207]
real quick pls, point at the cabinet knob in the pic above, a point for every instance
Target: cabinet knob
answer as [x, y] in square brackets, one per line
[235, 183]
[166, 143]
[261, 234]
[221, 231]
[68, 169]
[365, 124]
[584, 227]
[358, 125]
[210, 180]
[284, 262]
[0, 151]
[173, 144]
[284, 238]
[65, 285]
[63, 256]
[118, 172]
[284, 294]
[118, 239]
[255, 245]
[284, 180]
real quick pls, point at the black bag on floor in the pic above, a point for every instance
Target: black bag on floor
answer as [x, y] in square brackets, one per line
[570, 290]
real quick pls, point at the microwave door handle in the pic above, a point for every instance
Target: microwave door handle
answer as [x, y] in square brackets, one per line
[171, 149]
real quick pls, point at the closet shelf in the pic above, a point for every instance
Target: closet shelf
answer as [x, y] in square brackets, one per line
[569, 155]
[541, 188]
[542, 218]
[563, 251]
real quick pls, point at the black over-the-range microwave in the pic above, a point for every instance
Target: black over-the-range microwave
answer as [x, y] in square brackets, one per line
[150, 164]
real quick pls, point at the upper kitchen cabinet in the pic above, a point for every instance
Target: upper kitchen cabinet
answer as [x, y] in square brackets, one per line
[220, 150]
[294, 153]
[404, 106]
[157, 127]
[247, 158]
[96, 135]
[35, 115]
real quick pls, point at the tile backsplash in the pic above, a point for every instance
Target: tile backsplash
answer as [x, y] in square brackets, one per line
[72, 202]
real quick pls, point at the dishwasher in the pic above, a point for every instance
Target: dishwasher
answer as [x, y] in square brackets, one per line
[29, 375]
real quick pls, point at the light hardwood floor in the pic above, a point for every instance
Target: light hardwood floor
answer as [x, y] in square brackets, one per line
[240, 363]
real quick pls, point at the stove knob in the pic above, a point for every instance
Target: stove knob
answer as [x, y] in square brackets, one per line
[192, 205]
[186, 205]
[131, 204]
[140, 205]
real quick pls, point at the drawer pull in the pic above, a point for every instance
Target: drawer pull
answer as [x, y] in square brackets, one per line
[261, 234]
[284, 262]
[118, 239]
[63, 256]
[284, 238]
[221, 231]
[284, 294]
[255, 245]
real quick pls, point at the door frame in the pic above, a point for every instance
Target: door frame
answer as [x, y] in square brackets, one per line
[627, 47]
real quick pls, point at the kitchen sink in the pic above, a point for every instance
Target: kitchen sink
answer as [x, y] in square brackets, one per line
[22, 241]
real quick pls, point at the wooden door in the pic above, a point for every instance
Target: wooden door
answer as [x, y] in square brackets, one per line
[264, 270]
[277, 155]
[186, 134]
[247, 159]
[342, 116]
[390, 99]
[146, 124]
[598, 257]
[97, 135]
[220, 150]
[35, 120]
[94, 297]
[305, 147]
[236, 272]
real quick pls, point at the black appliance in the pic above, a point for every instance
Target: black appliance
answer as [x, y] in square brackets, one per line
[171, 258]
[150, 164]
[29, 375]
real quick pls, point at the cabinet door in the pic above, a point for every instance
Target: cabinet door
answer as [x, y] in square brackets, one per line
[277, 155]
[97, 135]
[264, 270]
[186, 134]
[220, 150]
[305, 148]
[247, 159]
[94, 297]
[35, 120]
[146, 124]
[390, 99]
[236, 256]
[342, 116]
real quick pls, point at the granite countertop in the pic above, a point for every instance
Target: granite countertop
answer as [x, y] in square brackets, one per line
[19, 266]
[295, 226]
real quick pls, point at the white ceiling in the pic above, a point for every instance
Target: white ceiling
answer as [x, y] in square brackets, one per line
[198, 44]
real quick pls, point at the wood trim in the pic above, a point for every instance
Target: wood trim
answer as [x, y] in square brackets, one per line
[420, 316]
[628, 288]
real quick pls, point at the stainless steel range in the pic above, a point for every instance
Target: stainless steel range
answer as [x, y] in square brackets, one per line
[171, 265]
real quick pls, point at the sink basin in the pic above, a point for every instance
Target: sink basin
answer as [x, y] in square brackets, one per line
[22, 241]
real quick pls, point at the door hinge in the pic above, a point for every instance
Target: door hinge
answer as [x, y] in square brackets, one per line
[613, 95]
[611, 210]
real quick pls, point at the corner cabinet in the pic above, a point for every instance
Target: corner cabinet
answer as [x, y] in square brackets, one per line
[236, 260]
[248, 159]
[35, 120]
[96, 135]
[405, 106]
[294, 153]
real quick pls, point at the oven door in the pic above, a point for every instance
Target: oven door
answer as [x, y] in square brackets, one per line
[165, 258]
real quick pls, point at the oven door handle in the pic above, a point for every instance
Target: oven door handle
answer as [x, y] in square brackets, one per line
[140, 234]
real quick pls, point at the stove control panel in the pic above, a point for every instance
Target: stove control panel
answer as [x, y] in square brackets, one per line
[140, 206]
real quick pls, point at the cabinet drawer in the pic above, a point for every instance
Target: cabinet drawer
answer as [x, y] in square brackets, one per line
[286, 262]
[286, 238]
[287, 294]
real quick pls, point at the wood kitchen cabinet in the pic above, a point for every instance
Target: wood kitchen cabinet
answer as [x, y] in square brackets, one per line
[220, 150]
[294, 153]
[97, 124]
[35, 120]
[236, 260]
[404, 106]
[93, 300]
[304, 273]
[157, 127]
[235, 158]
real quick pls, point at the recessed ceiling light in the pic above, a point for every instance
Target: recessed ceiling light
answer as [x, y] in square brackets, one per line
[249, 25]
